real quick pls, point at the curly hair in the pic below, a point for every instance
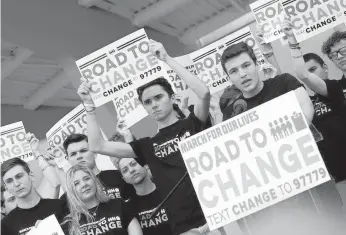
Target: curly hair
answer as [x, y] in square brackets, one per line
[335, 38]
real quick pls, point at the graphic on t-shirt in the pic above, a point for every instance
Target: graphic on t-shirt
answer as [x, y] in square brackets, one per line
[283, 127]
[169, 147]
[344, 91]
[321, 108]
[112, 193]
[101, 226]
[147, 222]
[239, 107]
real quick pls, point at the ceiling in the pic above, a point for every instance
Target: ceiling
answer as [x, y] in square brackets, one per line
[187, 20]
[31, 81]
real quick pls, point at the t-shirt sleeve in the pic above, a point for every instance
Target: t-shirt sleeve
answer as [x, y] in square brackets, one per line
[334, 91]
[64, 205]
[143, 149]
[199, 126]
[128, 214]
[291, 83]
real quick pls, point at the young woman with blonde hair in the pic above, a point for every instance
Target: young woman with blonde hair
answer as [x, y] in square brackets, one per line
[91, 210]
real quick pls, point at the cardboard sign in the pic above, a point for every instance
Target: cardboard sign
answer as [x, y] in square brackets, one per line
[268, 13]
[129, 108]
[253, 161]
[48, 226]
[208, 59]
[121, 66]
[311, 17]
[14, 144]
[178, 84]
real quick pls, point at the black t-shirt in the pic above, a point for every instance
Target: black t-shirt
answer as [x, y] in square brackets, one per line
[111, 218]
[163, 156]
[20, 221]
[333, 129]
[143, 206]
[337, 94]
[112, 182]
[272, 88]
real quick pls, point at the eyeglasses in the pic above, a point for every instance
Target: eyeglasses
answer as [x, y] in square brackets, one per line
[334, 55]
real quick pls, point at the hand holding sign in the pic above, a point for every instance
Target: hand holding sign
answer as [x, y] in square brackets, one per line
[287, 28]
[157, 49]
[34, 143]
[265, 47]
[84, 94]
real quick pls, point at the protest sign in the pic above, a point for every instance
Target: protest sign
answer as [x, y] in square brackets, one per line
[73, 122]
[14, 144]
[121, 66]
[178, 84]
[48, 226]
[311, 17]
[253, 161]
[129, 108]
[208, 59]
[268, 13]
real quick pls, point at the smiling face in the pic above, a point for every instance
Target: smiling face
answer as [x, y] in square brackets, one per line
[84, 185]
[340, 60]
[132, 172]
[78, 153]
[242, 72]
[18, 182]
[157, 102]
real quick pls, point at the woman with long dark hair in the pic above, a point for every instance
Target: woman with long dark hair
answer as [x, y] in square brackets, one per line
[91, 210]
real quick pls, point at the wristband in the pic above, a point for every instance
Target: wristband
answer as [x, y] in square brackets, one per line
[89, 107]
[294, 46]
[268, 54]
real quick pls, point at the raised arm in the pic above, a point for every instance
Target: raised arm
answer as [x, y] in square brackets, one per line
[50, 186]
[311, 80]
[96, 141]
[305, 103]
[267, 50]
[192, 81]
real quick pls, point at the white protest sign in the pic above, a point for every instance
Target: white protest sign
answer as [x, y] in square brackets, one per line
[13, 143]
[178, 84]
[121, 66]
[71, 123]
[253, 161]
[268, 14]
[129, 108]
[208, 59]
[311, 17]
[48, 226]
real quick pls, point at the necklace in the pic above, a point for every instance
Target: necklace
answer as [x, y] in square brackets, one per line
[94, 213]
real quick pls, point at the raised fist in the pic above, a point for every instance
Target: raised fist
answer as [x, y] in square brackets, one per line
[157, 49]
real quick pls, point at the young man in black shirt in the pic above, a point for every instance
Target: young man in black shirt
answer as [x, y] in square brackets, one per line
[239, 62]
[161, 152]
[18, 180]
[330, 98]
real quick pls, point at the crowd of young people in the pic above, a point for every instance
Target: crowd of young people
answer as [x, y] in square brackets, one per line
[151, 192]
